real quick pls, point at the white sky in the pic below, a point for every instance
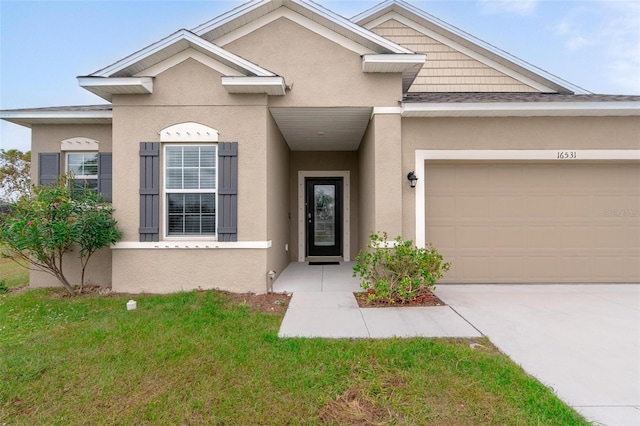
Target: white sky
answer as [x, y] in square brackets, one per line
[44, 45]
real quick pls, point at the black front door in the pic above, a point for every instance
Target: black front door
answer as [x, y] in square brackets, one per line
[324, 216]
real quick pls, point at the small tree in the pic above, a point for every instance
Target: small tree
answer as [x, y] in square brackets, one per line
[398, 272]
[43, 227]
[15, 168]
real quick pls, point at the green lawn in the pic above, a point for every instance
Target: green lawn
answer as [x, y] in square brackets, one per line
[13, 274]
[198, 358]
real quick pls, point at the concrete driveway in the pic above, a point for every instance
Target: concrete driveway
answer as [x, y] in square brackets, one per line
[581, 340]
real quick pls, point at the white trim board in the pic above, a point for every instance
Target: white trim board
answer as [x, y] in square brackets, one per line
[201, 245]
[298, 19]
[559, 155]
[462, 49]
[346, 214]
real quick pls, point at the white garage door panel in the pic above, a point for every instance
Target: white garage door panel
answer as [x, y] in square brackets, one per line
[528, 222]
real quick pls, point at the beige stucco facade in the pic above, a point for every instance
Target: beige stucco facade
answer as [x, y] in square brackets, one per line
[322, 69]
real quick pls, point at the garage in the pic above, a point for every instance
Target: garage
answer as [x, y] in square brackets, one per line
[535, 222]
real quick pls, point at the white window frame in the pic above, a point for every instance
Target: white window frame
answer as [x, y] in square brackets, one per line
[95, 177]
[165, 193]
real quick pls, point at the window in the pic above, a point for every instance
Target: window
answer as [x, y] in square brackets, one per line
[84, 168]
[190, 189]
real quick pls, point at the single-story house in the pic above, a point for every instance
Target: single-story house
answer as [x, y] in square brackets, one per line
[282, 132]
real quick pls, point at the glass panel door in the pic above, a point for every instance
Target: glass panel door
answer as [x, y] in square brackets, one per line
[324, 217]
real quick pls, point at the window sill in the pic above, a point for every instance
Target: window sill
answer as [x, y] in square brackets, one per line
[192, 245]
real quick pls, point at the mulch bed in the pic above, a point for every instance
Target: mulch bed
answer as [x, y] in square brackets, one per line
[424, 298]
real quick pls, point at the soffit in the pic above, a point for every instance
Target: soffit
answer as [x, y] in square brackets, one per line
[322, 129]
[464, 42]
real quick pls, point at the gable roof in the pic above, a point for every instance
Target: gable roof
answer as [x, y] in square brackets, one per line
[173, 44]
[457, 38]
[255, 9]
[122, 76]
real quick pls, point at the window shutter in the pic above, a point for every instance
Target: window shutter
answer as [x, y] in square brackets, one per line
[149, 191]
[48, 168]
[104, 175]
[228, 191]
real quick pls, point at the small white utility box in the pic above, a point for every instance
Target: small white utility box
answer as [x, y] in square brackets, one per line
[131, 305]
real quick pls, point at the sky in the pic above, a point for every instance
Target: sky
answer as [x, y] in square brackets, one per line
[45, 45]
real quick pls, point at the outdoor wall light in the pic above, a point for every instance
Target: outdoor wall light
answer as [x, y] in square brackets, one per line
[413, 179]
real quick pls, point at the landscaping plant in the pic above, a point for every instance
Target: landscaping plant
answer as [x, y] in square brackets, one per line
[397, 272]
[43, 227]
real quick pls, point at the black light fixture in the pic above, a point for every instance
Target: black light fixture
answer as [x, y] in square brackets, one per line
[413, 179]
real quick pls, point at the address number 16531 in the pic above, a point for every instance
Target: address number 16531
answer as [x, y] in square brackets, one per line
[567, 155]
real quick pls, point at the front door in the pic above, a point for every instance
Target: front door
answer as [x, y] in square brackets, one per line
[324, 216]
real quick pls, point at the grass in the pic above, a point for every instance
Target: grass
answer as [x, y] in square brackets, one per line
[12, 273]
[198, 358]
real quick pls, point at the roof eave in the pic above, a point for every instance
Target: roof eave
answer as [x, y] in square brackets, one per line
[168, 45]
[463, 38]
[272, 86]
[106, 87]
[28, 118]
[521, 109]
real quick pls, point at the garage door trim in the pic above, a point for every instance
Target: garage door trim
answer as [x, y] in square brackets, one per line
[562, 155]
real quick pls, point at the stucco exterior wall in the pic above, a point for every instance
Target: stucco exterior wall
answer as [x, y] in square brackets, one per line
[191, 92]
[322, 161]
[47, 138]
[169, 270]
[141, 120]
[534, 133]
[390, 177]
[278, 207]
[322, 72]
[366, 186]
[98, 271]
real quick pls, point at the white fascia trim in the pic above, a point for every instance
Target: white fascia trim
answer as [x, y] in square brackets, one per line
[465, 50]
[269, 85]
[193, 40]
[355, 28]
[394, 62]
[310, 6]
[56, 114]
[197, 245]
[298, 19]
[386, 110]
[190, 53]
[103, 85]
[520, 109]
[229, 16]
[561, 155]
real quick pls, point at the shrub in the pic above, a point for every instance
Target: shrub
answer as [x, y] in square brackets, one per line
[396, 273]
[45, 225]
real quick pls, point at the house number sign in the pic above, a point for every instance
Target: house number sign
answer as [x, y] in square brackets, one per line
[566, 155]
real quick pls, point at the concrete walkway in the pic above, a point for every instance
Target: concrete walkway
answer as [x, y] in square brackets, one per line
[323, 305]
[583, 341]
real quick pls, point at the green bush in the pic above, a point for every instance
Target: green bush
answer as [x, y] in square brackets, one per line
[396, 273]
[51, 221]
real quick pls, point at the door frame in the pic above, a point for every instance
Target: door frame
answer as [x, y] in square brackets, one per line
[346, 209]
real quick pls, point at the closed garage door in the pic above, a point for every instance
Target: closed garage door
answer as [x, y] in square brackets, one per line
[535, 222]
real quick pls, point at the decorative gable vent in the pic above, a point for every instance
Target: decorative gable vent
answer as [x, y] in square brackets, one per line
[79, 144]
[188, 132]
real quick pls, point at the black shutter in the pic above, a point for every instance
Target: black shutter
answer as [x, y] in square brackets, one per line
[104, 175]
[228, 191]
[48, 168]
[149, 191]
